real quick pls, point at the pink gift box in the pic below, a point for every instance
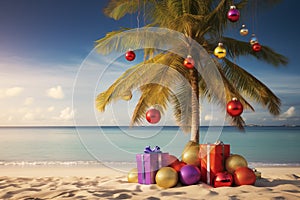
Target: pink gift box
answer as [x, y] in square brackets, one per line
[148, 164]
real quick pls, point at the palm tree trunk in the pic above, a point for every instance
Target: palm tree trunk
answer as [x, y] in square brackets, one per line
[195, 106]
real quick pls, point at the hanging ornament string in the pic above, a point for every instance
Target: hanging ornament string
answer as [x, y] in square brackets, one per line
[144, 13]
[254, 9]
[138, 15]
[256, 16]
[234, 63]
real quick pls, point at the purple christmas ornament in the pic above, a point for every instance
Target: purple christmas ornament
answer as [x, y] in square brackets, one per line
[189, 174]
[233, 14]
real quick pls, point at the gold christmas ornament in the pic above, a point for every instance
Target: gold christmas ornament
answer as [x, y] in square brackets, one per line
[166, 177]
[244, 31]
[132, 175]
[190, 154]
[253, 39]
[220, 51]
[235, 161]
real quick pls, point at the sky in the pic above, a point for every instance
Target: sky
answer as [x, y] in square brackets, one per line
[45, 45]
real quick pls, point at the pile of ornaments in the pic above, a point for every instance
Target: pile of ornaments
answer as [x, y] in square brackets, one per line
[237, 173]
[169, 176]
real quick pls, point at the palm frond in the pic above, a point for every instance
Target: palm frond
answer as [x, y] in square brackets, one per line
[154, 70]
[238, 122]
[236, 48]
[181, 101]
[251, 87]
[153, 95]
[117, 9]
[230, 89]
[161, 77]
[217, 16]
[125, 39]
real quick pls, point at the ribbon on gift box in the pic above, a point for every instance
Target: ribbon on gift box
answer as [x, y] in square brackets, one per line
[148, 150]
[208, 159]
[143, 169]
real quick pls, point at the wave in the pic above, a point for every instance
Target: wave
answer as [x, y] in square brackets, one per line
[117, 163]
[64, 163]
[261, 164]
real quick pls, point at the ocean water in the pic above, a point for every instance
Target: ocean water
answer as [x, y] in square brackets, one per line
[90, 145]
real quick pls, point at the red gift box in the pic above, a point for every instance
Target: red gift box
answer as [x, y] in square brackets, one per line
[213, 158]
[148, 164]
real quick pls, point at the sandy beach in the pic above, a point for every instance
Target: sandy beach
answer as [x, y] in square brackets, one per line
[76, 182]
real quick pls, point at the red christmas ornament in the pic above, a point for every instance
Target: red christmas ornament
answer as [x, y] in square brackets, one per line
[233, 14]
[130, 55]
[189, 62]
[234, 107]
[178, 165]
[172, 159]
[153, 116]
[223, 179]
[256, 47]
[244, 176]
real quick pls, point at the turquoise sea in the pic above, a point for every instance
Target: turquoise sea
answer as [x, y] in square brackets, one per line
[89, 145]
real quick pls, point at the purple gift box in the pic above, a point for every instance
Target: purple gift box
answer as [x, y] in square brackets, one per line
[148, 164]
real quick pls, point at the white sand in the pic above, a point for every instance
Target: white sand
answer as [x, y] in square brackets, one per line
[103, 183]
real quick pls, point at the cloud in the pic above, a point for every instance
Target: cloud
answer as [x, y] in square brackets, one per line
[66, 114]
[55, 92]
[29, 116]
[10, 92]
[287, 114]
[50, 109]
[28, 101]
[208, 117]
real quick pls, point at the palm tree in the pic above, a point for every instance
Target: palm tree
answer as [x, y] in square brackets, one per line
[205, 22]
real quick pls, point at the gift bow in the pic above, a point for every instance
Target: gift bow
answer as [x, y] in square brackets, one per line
[156, 149]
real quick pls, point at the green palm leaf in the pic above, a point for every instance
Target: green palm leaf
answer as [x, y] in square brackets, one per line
[237, 48]
[252, 87]
[119, 8]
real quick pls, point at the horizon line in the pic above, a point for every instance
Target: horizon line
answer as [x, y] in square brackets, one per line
[95, 126]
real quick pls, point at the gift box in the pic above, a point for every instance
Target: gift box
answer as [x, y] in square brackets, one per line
[148, 164]
[212, 159]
